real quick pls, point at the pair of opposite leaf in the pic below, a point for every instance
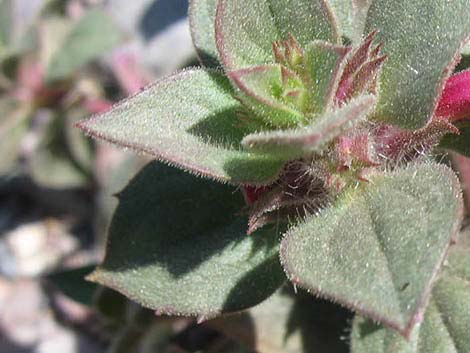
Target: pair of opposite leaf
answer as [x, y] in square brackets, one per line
[317, 133]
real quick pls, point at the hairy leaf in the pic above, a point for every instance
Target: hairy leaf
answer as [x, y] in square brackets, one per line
[402, 220]
[202, 22]
[189, 120]
[178, 245]
[446, 322]
[245, 30]
[323, 63]
[351, 16]
[459, 143]
[314, 137]
[422, 39]
[94, 35]
[262, 90]
[344, 12]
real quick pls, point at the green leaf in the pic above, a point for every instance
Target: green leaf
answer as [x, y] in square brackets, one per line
[202, 20]
[446, 322]
[344, 12]
[466, 50]
[63, 158]
[459, 143]
[402, 220]
[55, 171]
[114, 177]
[289, 323]
[94, 35]
[178, 245]
[261, 91]
[246, 30]
[6, 15]
[72, 283]
[314, 137]
[421, 39]
[351, 16]
[190, 120]
[52, 34]
[80, 149]
[323, 63]
[14, 123]
[54, 8]
[9, 66]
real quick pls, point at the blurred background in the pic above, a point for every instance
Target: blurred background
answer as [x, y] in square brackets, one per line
[62, 61]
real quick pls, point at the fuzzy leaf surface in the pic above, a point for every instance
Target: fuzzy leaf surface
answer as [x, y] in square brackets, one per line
[189, 120]
[351, 16]
[245, 30]
[95, 34]
[178, 245]
[322, 62]
[422, 39]
[403, 220]
[314, 137]
[344, 12]
[446, 322]
[202, 24]
[259, 91]
[459, 143]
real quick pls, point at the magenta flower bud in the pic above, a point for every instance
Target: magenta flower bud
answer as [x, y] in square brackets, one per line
[454, 103]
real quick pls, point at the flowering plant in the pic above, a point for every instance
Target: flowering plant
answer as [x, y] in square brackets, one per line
[325, 115]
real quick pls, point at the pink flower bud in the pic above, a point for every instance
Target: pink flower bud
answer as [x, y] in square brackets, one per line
[454, 103]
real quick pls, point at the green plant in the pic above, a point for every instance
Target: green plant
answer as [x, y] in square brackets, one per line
[46, 85]
[325, 115]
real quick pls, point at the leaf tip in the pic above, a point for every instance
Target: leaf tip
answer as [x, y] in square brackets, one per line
[94, 277]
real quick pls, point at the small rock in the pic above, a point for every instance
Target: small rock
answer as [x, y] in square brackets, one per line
[31, 249]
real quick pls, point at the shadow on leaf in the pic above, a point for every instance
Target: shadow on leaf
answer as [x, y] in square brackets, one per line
[270, 271]
[177, 244]
[222, 128]
[255, 167]
[168, 217]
